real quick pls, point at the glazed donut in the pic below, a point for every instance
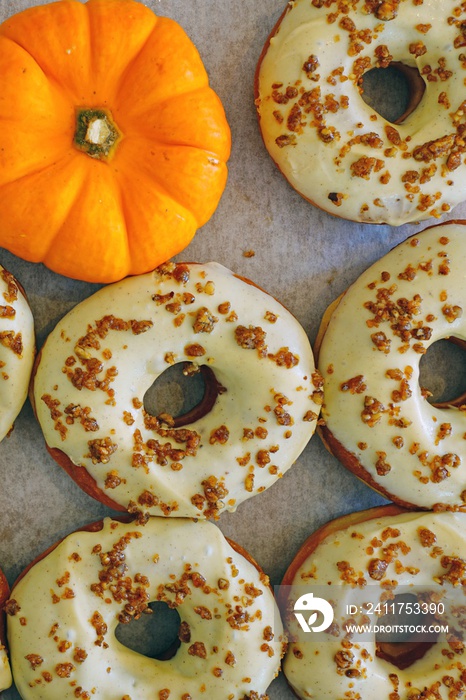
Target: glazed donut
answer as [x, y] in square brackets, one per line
[65, 609]
[97, 365]
[376, 556]
[376, 417]
[335, 149]
[5, 671]
[17, 350]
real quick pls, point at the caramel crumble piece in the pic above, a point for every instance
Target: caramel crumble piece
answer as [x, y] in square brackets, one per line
[198, 649]
[382, 466]
[7, 312]
[444, 268]
[393, 135]
[310, 65]
[377, 569]
[35, 660]
[281, 414]
[444, 431]
[252, 338]
[431, 150]
[268, 649]
[454, 159]
[11, 294]
[113, 480]
[224, 308]
[194, 350]
[205, 321]
[12, 607]
[64, 670]
[12, 341]
[80, 655]
[230, 659]
[365, 166]
[451, 313]
[249, 483]
[355, 385]
[203, 612]
[427, 537]
[395, 374]
[385, 10]
[64, 579]
[310, 416]
[456, 570]
[163, 298]
[328, 134]
[52, 405]
[284, 358]
[344, 659]
[101, 450]
[294, 119]
[184, 633]
[403, 393]
[128, 418]
[286, 140]
[138, 327]
[263, 458]
[214, 493]
[408, 274]
[75, 412]
[239, 618]
[178, 272]
[219, 435]
[417, 48]
[381, 342]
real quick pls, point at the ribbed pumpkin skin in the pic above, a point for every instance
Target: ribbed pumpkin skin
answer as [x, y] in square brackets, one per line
[93, 219]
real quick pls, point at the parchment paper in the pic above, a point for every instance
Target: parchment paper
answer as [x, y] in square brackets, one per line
[304, 257]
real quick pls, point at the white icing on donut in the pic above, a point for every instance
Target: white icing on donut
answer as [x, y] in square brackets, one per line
[17, 348]
[125, 336]
[419, 550]
[370, 360]
[331, 146]
[68, 605]
[5, 670]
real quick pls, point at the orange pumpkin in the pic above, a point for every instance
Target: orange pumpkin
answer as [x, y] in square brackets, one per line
[113, 147]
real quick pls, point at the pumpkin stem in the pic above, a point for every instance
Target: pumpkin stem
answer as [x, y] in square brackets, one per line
[96, 133]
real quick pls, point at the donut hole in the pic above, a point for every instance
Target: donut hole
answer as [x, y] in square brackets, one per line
[183, 393]
[397, 644]
[443, 373]
[393, 92]
[154, 634]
